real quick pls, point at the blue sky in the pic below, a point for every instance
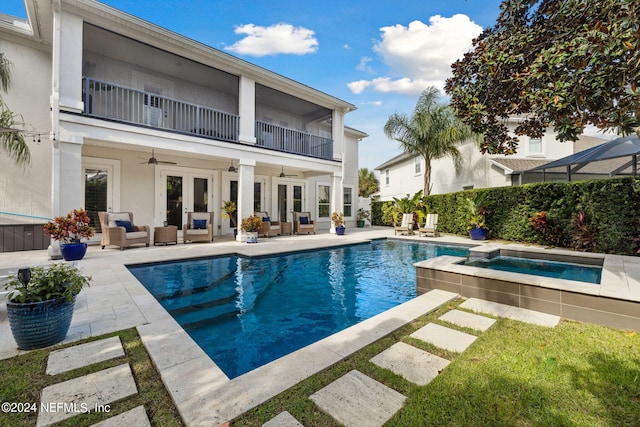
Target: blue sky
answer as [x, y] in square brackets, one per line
[377, 55]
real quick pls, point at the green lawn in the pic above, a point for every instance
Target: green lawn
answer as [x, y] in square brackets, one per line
[515, 374]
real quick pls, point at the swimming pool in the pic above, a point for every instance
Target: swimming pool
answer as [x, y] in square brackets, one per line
[246, 312]
[540, 267]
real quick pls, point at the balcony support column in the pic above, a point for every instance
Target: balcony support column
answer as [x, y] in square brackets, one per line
[247, 110]
[246, 177]
[337, 199]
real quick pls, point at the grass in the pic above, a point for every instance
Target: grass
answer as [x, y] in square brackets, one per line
[515, 374]
[23, 377]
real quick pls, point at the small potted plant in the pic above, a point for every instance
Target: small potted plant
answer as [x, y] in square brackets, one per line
[477, 208]
[251, 225]
[40, 303]
[363, 215]
[69, 230]
[229, 211]
[338, 222]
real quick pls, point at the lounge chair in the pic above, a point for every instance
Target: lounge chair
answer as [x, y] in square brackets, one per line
[119, 230]
[430, 227]
[302, 223]
[269, 228]
[405, 226]
[199, 227]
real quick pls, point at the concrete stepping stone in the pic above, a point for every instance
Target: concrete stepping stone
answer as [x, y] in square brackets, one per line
[443, 337]
[283, 419]
[92, 392]
[468, 320]
[415, 365]
[136, 417]
[356, 400]
[511, 312]
[82, 355]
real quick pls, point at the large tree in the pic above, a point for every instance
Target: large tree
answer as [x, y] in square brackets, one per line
[432, 131]
[367, 182]
[12, 142]
[559, 63]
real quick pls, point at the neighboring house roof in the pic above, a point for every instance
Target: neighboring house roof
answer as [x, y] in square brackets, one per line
[395, 160]
[618, 154]
[511, 165]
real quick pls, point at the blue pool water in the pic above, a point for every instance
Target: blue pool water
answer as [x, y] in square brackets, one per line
[538, 267]
[246, 312]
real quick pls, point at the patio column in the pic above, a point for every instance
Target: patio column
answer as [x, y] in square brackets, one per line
[67, 177]
[337, 198]
[246, 173]
[247, 110]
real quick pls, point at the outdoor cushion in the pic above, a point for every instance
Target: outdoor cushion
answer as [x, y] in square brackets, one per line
[199, 224]
[128, 227]
[113, 217]
[136, 235]
[266, 219]
[304, 220]
[195, 231]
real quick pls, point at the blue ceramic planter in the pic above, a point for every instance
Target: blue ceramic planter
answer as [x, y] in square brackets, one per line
[477, 233]
[340, 231]
[39, 324]
[73, 251]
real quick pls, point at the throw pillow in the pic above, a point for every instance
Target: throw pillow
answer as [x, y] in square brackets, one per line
[304, 220]
[199, 224]
[128, 227]
[266, 219]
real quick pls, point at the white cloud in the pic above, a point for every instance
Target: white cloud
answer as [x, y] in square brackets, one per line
[275, 39]
[364, 65]
[376, 103]
[359, 86]
[420, 55]
[346, 46]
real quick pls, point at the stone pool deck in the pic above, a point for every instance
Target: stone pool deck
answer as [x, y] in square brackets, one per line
[202, 393]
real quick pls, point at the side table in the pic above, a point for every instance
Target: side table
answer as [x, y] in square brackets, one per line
[285, 228]
[165, 235]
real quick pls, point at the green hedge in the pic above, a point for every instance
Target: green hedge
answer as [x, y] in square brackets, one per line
[611, 206]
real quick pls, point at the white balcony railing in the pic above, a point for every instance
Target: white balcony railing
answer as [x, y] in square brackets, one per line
[109, 101]
[293, 141]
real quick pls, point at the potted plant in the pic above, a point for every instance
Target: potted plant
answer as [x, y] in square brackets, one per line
[251, 225]
[476, 211]
[363, 215]
[338, 222]
[68, 230]
[229, 211]
[40, 303]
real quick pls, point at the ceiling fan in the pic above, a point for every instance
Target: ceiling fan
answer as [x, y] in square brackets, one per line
[284, 175]
[153, 161]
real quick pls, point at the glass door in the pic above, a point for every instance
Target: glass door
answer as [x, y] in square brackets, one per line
[289, 199]
[99, 187]
[185, 192]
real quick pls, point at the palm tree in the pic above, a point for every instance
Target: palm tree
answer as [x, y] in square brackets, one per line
[432, 132]
[367, 182]
[11, 141]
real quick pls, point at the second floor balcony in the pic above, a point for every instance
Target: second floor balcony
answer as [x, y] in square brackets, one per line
[105, 100]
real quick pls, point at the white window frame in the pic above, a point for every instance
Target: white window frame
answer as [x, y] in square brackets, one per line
[344, 202]
[417, 165]
[328, 203]
[535, 142]
[386, 176]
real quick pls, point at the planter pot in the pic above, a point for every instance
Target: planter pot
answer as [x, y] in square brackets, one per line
[477, 233]
[361, 223]
[340, 231]
[39, 324]
[252, 237]
[73, 251]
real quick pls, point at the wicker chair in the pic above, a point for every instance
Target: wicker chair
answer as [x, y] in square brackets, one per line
[269, 228]
[191, 233]
[302, 223]
[117, 235]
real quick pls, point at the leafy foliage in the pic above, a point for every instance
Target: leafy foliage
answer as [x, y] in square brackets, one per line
[71, 227]
[337, 218]
[432, 132]
[367, 182]
[251, 223]
[44, 283]
[564, 64]
[12, 143]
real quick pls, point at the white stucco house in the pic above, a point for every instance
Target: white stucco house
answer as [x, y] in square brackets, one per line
[402, 175]
[123, 115]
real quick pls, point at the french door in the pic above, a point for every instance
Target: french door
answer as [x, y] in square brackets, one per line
[183, 192]
[100, 188]
[289, 197]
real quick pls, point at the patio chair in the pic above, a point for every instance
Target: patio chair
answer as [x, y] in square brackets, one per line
[269, 228]
[405, 226]
[302, 223]
[199, 227]
[430, 227]
[119, 230]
